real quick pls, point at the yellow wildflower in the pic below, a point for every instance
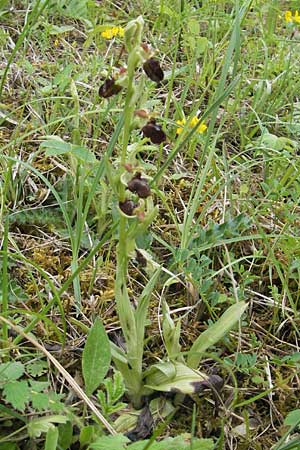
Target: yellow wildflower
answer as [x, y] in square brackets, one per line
[181, 124]
[121, 32]
[288, 16]
[201, 128]
[296, 17]
[110, 33]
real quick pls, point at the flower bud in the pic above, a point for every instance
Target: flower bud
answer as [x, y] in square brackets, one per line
[133, 33]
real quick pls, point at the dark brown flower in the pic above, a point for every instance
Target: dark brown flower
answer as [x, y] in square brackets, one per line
[109, 88]
[127, 207]
[154, 132]
[139, 186]
[153, 70]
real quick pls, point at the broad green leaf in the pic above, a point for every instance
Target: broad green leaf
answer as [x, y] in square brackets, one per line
[37, 368]
[55, 146]
[293, 418]
[171, 333]
[203, 444]
[39, 401]
[89, 434]
[51, 438]
[142, 312]
[166, 367]
[215, 332]
[9, 446]
[96, 357]
[17, 393]
[38, 426]
[39, 386]
[186, 380]
[11, 371]
[178, 443]
[54, 29]
[65, 437]
[110, 442]
[125, 422]
[55, 403]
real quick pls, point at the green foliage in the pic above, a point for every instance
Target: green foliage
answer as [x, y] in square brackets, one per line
[119, 442]
[57, 146]
[65, 437]
[75, 9]
[51, 438]
[17, 393]
[89, 434]
[293, 418]
[114, 390]
[37, 368]
[38, 217]
[9, 446]
[11, 371]
[215, 332]
[42, 425]
[22, 393]
[194, 261]
[96, 357]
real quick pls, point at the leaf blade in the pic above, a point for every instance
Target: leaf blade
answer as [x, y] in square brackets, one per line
[96, 357]
[215, 332]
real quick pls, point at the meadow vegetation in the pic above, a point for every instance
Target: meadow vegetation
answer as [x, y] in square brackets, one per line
[149, 225]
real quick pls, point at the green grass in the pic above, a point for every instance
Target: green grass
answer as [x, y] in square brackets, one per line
[221, 226]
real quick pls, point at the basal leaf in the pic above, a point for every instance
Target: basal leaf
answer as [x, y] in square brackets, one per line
[215, 332]
[96, 357]
[186, 380]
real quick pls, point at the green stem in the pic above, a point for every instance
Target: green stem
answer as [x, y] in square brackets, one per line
[5, 281]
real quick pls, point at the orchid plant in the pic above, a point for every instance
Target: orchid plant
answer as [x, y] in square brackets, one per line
[136, 213]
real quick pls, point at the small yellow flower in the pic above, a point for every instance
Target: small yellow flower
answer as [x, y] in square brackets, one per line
[56, 43]
[121, 32]
[110, 33]
[288, 16]
[181, 124]
[296, 17]
[201, 128]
